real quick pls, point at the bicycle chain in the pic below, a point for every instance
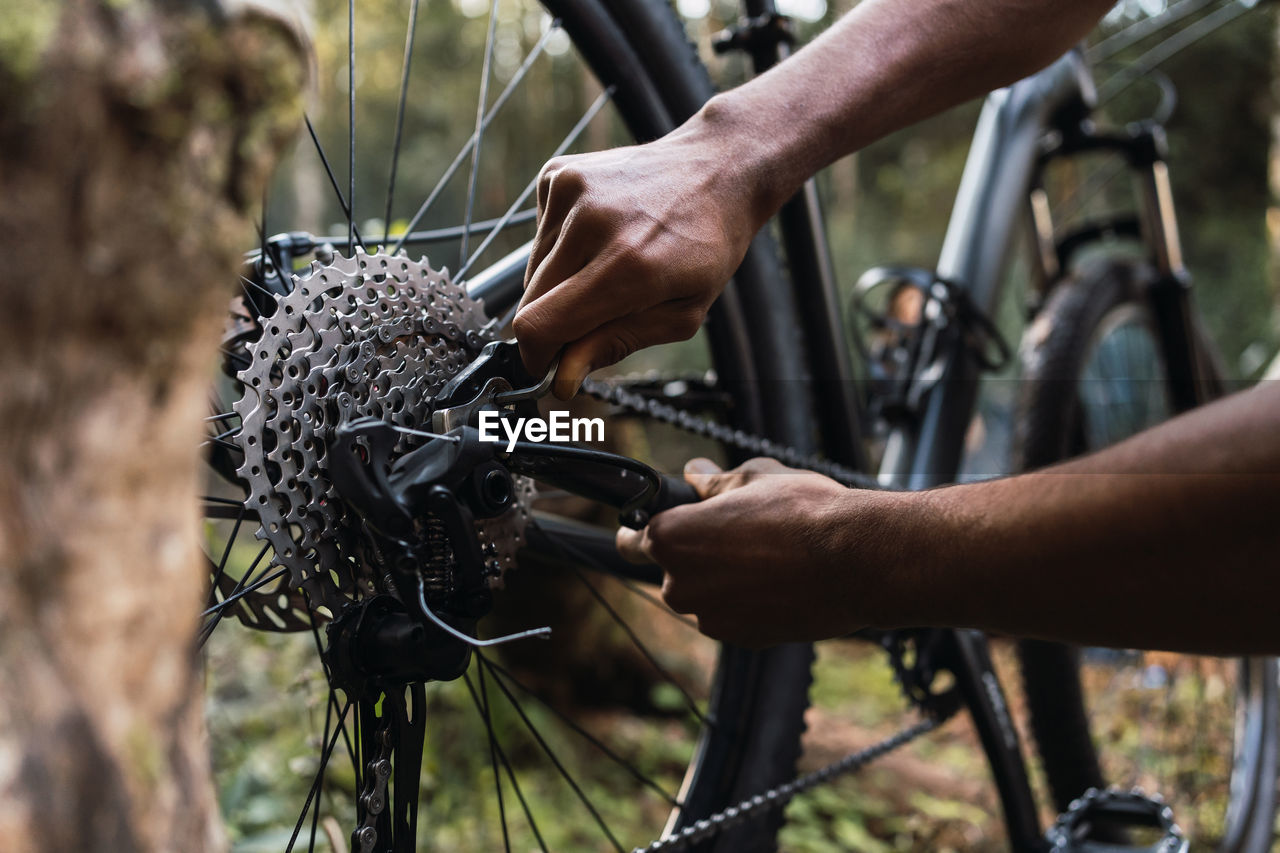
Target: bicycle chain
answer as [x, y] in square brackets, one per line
[374, 797]
[618, 395]
[776, 798]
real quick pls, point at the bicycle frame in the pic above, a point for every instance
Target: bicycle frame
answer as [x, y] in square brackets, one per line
[992, 204]
[1002, 171]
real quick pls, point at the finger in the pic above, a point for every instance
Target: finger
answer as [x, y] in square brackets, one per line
[577, 306]
[616, 339]
[554, 216]
[701, 474]
[543, 326]
[711, 481]
[633, 545]
[543, 242]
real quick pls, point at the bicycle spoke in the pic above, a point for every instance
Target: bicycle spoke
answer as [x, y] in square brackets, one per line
[315, 813]
[254, 587]
[1169, 48]
[226, 552]
[639, 775]
[222, 508]
[630, 632]
[333, 698]
[1144, 27]
[315, 784]
[410, 31]
[546, 748]
[482, 705]
[241, 358]
[452, 232]
[479, 134]
[238, 592]
[354, 236]
[223, 436]
[351, 120]
[246, 283]
[498, 103]
[572, 136]
[220, 442]
[511, 775]
[658, 603]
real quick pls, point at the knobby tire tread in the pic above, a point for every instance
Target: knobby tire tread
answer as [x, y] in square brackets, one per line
[761, 697]
[1046, 432]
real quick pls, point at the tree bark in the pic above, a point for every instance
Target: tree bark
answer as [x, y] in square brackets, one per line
[135, 137]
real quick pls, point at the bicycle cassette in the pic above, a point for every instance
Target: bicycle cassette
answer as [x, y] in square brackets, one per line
[368, 336]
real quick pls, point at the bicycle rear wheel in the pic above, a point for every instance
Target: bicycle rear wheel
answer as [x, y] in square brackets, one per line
[1093, 375]
[745, 714]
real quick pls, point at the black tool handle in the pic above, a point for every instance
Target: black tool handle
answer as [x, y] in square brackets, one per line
[673, 491]
[615, 480]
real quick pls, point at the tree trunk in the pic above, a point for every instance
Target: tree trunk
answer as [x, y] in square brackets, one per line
[135, 137]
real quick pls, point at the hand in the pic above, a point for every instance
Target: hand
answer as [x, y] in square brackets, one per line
[633, 246]
[765, 557]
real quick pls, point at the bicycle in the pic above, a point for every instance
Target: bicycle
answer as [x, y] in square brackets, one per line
[334, 331]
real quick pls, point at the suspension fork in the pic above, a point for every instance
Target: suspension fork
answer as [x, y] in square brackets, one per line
[1192, 376]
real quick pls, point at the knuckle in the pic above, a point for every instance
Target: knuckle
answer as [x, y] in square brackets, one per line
[759, 466]
[617, 345]
[712, 628]
[687, 323]
[569, 177]
[629, 251]
[673, 594]
[661, 536]
[524, 324]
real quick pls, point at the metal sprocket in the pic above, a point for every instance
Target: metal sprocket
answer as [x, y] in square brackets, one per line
[372, 335]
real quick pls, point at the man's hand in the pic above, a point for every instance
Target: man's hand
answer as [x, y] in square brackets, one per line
[633, 246]
[764, 557]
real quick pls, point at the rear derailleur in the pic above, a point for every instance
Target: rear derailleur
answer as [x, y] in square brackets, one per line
[419, 509]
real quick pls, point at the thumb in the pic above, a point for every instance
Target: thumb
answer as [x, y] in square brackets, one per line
[706, 477]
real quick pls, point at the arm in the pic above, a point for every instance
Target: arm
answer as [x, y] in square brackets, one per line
[634, 244]
[1168, 540]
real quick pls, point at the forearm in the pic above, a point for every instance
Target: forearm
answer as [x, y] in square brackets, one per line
[1169, 540]
[885, 65]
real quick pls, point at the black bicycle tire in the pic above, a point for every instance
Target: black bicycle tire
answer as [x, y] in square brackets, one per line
[1045, 432]
[1052, 360]
[759, 698]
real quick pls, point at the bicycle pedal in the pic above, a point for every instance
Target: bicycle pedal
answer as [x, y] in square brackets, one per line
[1112, 821]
